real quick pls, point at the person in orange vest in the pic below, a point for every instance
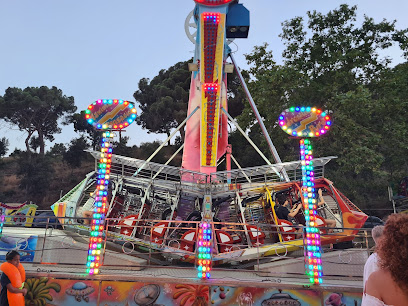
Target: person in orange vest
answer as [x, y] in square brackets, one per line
[12, 281]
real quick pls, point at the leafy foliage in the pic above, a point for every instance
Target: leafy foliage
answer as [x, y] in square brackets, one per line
[36, 175]
[332, 63]
[36, 109]
[35, 143]
[57, 150]
[4, 143]
[75, 153]
[86, 130]
[164, 99]
[121, 147]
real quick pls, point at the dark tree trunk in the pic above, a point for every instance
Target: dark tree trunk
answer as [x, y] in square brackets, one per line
[41, 139]
[27, 143]
[182, 135]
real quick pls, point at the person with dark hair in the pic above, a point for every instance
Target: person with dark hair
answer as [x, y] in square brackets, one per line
[389, 285]
[13, 259]
[283, 213]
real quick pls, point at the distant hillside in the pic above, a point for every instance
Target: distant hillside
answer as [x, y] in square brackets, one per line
[53, 177]
[63, 180]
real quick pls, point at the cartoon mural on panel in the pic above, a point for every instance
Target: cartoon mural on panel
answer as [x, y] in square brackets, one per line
[24, 245]
[143, 294]
[342, 299]
[39, 291]
[62, 292]
[195, 294]
[80, 291]
[46, 292]
[252, 296]
[18, 214]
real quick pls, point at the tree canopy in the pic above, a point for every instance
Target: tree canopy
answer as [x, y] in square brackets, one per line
[36, 109]
[164, 99]
[332, 63]
[4, 143]
[86, 130]
[75, 153]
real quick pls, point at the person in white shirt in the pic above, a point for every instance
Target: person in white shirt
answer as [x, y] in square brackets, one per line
[389, 284]
[371, 264]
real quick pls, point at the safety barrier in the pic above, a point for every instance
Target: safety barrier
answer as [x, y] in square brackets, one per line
[265, 249]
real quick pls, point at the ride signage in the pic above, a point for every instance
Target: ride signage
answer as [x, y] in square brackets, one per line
[110, 114]
[304, 122]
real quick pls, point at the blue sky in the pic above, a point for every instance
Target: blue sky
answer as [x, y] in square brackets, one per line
[101, 49]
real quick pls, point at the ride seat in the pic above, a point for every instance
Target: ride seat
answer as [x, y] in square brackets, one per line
[158, 231]
[321, 223]
[287, 230]
[127, 224]
[188, 240]
[225, 241]
[256, 236]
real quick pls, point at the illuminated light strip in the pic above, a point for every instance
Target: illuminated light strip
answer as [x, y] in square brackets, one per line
[315, 113]
[111, 114]
[213, 2]
[211, 22]
[313, 261]
[204, 245]
[100, 205]
[210, 74]
[211, 91]
[2, 218]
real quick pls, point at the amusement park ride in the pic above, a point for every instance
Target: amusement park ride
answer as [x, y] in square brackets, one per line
[234, 210]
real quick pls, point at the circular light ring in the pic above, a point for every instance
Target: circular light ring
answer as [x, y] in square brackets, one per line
[115, 114]
[304, 121]
[213, 2]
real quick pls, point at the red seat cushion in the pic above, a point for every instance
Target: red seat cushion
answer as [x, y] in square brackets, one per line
[287, 230]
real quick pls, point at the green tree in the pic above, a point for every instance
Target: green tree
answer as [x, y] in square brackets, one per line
[4, 143]
[85, 129]
[164, 99]
[75, 153]
[34, 143]
[333, 63]
[121, 148]
[36, 109]
[36, 175]
[57, 150]
[391, 92]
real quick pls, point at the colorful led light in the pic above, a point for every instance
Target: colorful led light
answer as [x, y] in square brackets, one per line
[210, 21]
[104, 114]
[210, 90]
[100, 205]
[2, 218]
[312, 239]
[213, 2]
[204, 249]
[304, 121]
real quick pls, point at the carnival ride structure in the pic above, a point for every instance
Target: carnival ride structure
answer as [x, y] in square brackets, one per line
[197, 213]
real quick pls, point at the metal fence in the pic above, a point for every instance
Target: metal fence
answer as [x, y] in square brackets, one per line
[144, 244]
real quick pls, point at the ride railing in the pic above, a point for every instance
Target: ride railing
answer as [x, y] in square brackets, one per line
[269, 173]
[262, 250]
[164, 176]
[129, 168]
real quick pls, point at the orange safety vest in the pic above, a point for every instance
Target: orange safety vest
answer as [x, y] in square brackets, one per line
[17, 277]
